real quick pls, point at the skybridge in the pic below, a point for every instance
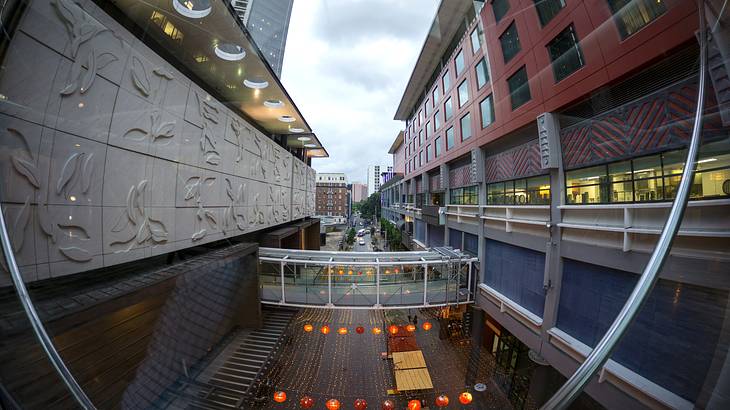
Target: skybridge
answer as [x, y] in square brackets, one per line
[365, 280]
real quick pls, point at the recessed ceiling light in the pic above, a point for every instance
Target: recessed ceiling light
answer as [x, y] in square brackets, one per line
[255, 84]
[273, 103]
[296, 130]
[287, 118]
[195, 9]
[229, 52]
[310, 145]
[304, 139]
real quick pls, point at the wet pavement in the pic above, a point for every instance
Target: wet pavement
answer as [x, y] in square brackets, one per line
[349, 367]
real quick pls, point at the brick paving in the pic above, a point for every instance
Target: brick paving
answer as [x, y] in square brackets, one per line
[350, 366]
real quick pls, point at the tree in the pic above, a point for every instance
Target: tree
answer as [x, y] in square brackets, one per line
[351, 236]
[370, 207]
[392, 233]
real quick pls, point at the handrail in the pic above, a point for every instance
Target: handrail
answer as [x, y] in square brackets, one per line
[38, 328]
[605, 347]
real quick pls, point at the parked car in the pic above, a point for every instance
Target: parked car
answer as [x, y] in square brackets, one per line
[362, 242]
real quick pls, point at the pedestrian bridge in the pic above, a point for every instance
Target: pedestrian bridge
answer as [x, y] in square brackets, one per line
[365, 280]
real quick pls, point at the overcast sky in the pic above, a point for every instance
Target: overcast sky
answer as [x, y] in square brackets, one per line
[346, 65]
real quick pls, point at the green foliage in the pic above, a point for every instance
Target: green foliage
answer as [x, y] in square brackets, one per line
[370, 207]
[351, 236]
[392, 233]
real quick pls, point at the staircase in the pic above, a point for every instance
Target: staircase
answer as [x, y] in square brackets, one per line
[225, 383]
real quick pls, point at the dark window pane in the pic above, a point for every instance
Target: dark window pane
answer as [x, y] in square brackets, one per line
[519, 88]
[500, 8]
[510, 41]
[487, 109]
[547, 9]
[482, 73]
[565, 54]
[632, 15]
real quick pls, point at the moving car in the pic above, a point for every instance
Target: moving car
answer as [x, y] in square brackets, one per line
[362, 242]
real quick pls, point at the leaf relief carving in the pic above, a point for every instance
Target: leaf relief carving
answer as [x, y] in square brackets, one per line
[76, 254]
[21, 222]
[139, 77]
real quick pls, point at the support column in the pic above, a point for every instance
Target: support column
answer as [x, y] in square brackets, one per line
[444, 183]
[477, 333]
[478, 158]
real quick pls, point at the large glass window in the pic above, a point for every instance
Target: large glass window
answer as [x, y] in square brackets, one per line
[420, 137]
[519, 88]
[426, 106]
[428, 129]
[420, 159]
[463, 93]
[448, 109]
[525, 191]
[510, 41]
[547, 9]
[429, 153]
[464, 196]
[437, 145]
[486, 107]
[476, 41]
[446, 79]
[466, 127]
[652, 178]
[436, 120]
[632, 15]
[482, 73]
[565, 53]
[459, 62]
[500, 8]
[435, 95]
[450, 138]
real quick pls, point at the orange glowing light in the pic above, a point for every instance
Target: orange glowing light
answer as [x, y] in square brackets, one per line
[361, 404]
[396, 270]
[427, 325]
[377, 331]
[308, 328]
[393, 329]
[341, 271]
[333, 404]
[349, 272]
[387, 271]
[411, 328]
[442, 401]
[342, 330]
[414, 405]
[306, 402]
[280, 397]
[325, 329]
[360, 330]
[465, 398]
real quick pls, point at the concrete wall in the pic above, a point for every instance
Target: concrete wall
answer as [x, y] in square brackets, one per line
[108, 154]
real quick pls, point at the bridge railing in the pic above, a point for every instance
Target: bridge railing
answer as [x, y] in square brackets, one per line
[364, 280]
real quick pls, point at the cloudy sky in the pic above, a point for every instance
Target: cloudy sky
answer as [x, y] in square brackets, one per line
[346, 65]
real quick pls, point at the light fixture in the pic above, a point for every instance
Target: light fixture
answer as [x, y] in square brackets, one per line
[702, 161]
[255, 84]
[296, 131]
[273, 103]
[229, 52]
[194, 9]
[310, 145]
[304, 139]
[287, 118]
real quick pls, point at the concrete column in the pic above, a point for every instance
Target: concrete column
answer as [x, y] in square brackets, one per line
[551, 157]
[477, 161]
[444, 175]
[477, 333]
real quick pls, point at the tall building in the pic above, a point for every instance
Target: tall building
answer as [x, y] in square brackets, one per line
[359, 192]
[375, 177]
[268, 23]
[332, 197]
[539, 140]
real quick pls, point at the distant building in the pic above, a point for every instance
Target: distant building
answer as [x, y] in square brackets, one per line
[359, 192]
[332, 197]
[375, 177]
[268, 23]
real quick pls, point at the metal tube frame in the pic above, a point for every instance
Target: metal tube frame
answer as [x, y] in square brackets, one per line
[605, 347]
[38, 329]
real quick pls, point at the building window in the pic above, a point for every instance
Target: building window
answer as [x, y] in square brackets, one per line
[437, 144]
[463, 92]
[519, 88]
[448, 109]
[652, 178]
[429, 153]
[435, 95]
[420, 159]
[525, 191]
[466, 127]
[459, 61]
[500, 8]
[436, 120]
[482, 73]
[425, 107]
[446, 79]
[632, 15]
[547, 9]
[565, 53]
[486, 107]
[450, 138]
[476, 41]
[428, 126]
[420, 118]
[464, 196]
[510, 41]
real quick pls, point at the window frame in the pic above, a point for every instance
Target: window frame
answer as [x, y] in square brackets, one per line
[482, 63]
[514, 51]
[512, 92]
[461, 126]
[459, 58]
[452, 140]
[542, 5]
[559, 75]
[465, 85]
[491, 109]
